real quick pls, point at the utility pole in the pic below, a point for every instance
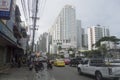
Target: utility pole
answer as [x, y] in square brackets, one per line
[34, 24]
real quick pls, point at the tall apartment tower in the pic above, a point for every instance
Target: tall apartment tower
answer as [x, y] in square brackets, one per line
[95, 33]
[84, 40]
[79, 34]
[42, 43]
[64, 30]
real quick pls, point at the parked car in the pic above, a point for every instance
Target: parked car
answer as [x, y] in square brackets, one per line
[99, 69]
[59, 62]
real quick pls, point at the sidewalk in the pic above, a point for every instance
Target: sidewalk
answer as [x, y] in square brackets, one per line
[22, 73]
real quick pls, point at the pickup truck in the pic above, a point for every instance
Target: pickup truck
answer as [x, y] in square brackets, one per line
[100, 69]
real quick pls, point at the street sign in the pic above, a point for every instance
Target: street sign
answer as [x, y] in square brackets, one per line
[5, 7]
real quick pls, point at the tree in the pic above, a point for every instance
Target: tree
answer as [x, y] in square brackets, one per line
[59, 48]
[72, 55]
[111, 38]
[103, 48]
[70, 49]
[62, 56]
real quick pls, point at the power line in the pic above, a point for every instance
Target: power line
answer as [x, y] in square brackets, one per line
[42, 7]
[24, 9]
[34, 16]
[41, 3]
[33, 7]
[28, 5]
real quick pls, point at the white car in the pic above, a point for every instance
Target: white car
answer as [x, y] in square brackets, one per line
[99, 69]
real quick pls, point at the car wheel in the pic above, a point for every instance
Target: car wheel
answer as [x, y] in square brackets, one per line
[79, 71]
[98, 76]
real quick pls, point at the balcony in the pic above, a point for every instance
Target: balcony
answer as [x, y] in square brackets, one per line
[17, 31]
[7, 32]
[24, 33]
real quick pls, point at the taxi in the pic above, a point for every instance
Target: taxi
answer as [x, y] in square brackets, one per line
[59, 62]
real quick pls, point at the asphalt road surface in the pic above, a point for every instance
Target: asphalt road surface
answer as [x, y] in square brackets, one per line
[67, 73]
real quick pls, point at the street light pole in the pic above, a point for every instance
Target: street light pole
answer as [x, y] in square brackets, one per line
[35, 18]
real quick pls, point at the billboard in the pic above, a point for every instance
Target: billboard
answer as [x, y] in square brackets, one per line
[5, 6]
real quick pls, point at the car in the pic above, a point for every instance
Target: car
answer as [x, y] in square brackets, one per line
[67, 61]
[100, 69]
[59, 62]
[75, 61]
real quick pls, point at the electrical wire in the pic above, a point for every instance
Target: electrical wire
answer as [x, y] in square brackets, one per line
[42, 7]
[33, 7]
[24, 9]
[28, 5]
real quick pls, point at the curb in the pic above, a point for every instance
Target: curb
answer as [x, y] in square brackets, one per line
[2, 70]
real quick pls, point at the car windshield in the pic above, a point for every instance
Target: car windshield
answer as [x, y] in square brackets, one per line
[67, 59]
[59, 59]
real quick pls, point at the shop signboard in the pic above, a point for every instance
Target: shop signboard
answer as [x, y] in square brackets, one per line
[5, 7]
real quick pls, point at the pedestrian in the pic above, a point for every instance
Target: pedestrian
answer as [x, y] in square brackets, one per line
[31, 66]
[30, 62]
[19, 62]
[13, 62]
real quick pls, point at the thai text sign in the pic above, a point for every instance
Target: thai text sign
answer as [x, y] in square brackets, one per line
[5, 6]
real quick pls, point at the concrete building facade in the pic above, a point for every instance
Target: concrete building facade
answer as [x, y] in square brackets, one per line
[42, 43]
[64, 30]
[79, 35]
[11, 33]
[95, 33]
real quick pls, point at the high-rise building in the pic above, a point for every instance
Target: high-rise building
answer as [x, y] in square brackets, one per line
[95, 33]
[49, 42]
[64, 30]
[85, 46]
[42, 43]
[84, 39]
[79, 34]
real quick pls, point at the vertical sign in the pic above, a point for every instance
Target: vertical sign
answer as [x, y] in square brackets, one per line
[5, 6]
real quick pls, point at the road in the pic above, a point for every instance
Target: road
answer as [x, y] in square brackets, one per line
[67, 73]
[57, 73]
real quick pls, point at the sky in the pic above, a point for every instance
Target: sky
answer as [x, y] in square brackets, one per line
[90, 12]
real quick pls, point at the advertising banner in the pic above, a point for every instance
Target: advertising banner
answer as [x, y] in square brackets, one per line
[5, 6]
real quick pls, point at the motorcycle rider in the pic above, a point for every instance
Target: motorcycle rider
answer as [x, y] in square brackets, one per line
[38, 64]
[49, 64]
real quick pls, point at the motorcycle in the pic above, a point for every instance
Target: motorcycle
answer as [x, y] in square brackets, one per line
[39, 66]
[30, 67]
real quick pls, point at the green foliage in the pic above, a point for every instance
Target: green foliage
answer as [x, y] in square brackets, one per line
[72, 55]
[93, 53]
[59, 48]
[103, 48]
[111, 38]
[62, 56]
[70, 49]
